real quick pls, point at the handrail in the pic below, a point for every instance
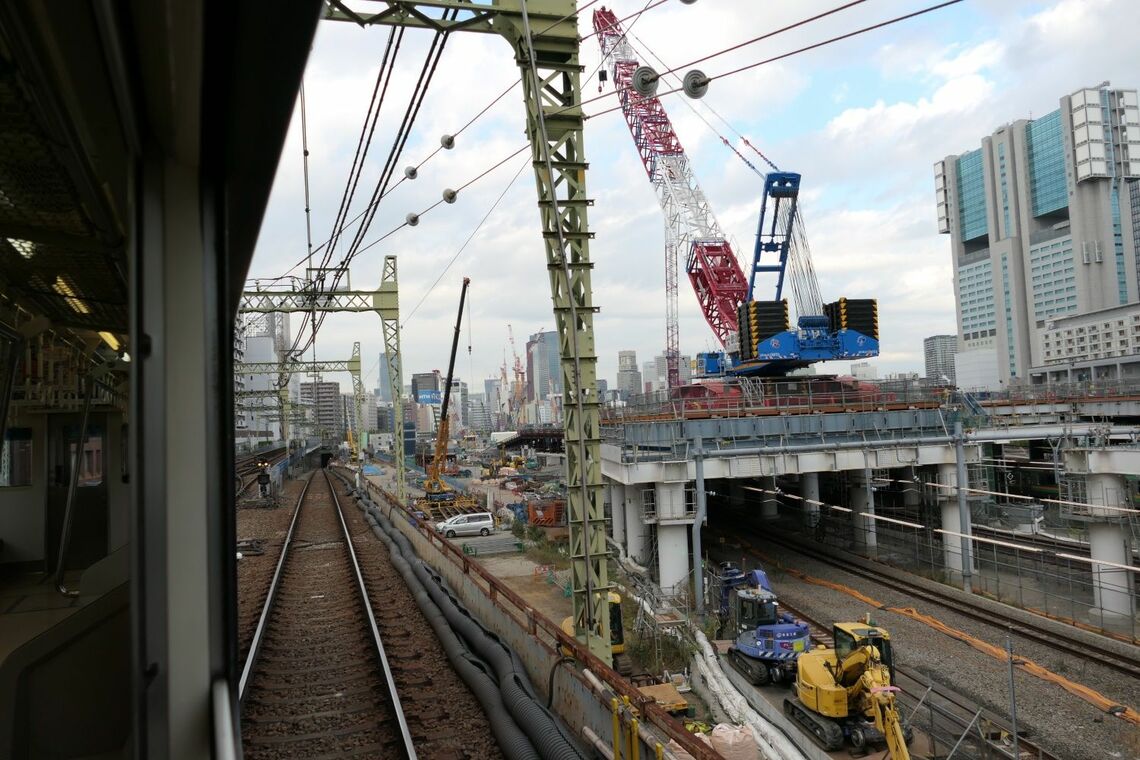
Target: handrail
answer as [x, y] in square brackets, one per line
[72, 488]
[225, 739]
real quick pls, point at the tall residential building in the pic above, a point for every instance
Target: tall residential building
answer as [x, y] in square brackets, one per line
[939, 350]
[459, 403]
[1042, 224]
[628, 375]
[543, 366]
[650, 380]
[328, 407]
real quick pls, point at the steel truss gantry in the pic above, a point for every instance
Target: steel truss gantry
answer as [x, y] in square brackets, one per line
[385, 302]
[544, 37]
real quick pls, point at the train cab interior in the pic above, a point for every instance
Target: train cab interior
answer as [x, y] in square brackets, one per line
[138, 145]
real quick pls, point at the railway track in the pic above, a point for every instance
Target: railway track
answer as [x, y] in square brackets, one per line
[1067, 644]
[317, 681]
[940, 715]
[246, 469]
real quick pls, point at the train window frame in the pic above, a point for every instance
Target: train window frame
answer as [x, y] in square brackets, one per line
[7, 450]
[11, 350]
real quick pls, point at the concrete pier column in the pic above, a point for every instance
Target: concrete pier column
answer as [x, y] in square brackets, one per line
[617, 511]
[809, 491]
[862, 501]
[672, 556]
[1109, 542]
[951, 518]
[769, 506]
[912, 491]
[635, 528]
[1112, 586]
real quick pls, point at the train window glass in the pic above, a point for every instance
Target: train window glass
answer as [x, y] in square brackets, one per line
[16, 458]
[91, 463]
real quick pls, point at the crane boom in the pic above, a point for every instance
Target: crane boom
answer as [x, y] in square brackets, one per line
[434, 485]
[690, 226]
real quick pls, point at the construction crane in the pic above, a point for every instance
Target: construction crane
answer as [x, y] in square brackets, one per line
[690, 226]
[518, 386]
[757, 335]
[437, 490]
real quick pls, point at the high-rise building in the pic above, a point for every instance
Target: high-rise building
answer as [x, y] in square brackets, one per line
[328, 408]
[426, 387]
[1042, 222]
[661, 370]
[650, 380]
[628, 375]
[938, 351]
[543, 366]
[864, 371]
[383, 387]
[459, 403]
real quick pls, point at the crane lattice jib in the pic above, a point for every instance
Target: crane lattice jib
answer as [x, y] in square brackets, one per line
[712, 266]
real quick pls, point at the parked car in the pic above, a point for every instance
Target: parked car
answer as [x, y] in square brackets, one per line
[474, 524]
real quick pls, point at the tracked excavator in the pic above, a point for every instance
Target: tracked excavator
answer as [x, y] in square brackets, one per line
[846, 693]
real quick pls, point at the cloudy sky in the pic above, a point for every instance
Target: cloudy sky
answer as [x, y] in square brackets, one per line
[863, 120]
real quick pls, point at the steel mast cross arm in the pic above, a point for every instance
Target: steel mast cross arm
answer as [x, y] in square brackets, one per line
[552, 95]
[385, 302]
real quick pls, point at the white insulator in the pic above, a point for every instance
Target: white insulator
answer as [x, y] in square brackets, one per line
[412, 218]
[644, 81]
[449, 195]
[411, 172]
[695, 84]
[447, 141]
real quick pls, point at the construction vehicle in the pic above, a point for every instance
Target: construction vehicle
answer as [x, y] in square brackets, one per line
[847, 693]
[766, 642]
[621, 662]
[437, 493]
[757, 335]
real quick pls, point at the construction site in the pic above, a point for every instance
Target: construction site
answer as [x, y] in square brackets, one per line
[749, 546]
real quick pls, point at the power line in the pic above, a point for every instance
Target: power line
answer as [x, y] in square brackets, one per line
[470, 237]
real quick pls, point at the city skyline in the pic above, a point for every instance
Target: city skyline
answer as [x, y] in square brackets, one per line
[953, 76]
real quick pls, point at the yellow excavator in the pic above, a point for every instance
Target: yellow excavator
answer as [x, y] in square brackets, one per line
[846, 693]
[621, 662]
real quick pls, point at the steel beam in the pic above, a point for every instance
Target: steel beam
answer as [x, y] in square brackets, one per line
[544, 37]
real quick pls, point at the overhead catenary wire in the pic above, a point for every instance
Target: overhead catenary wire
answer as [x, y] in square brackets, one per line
[420, 164]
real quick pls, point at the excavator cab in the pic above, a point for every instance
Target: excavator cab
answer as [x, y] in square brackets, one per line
[621, 662]
[850, 637]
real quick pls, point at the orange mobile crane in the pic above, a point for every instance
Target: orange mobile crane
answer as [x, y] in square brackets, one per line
[441, 498]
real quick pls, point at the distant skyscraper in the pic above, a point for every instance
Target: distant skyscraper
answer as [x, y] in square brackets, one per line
[383, 387]
[939, 350]
[543, 366]
[1042, 227]
[628, 376]
[424, 384]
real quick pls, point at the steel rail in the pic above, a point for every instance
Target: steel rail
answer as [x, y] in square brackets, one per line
[397, 708]
[1059, 641]
[263, 620]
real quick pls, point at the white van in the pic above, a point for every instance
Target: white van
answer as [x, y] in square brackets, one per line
[474, 524]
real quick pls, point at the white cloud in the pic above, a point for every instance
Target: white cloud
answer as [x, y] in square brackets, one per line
[865, 154]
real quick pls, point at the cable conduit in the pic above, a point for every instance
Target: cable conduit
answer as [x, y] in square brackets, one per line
[544, 730]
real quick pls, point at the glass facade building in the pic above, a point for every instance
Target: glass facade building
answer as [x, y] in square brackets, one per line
[971, 195]
[1044, 220]
[1045, 148]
